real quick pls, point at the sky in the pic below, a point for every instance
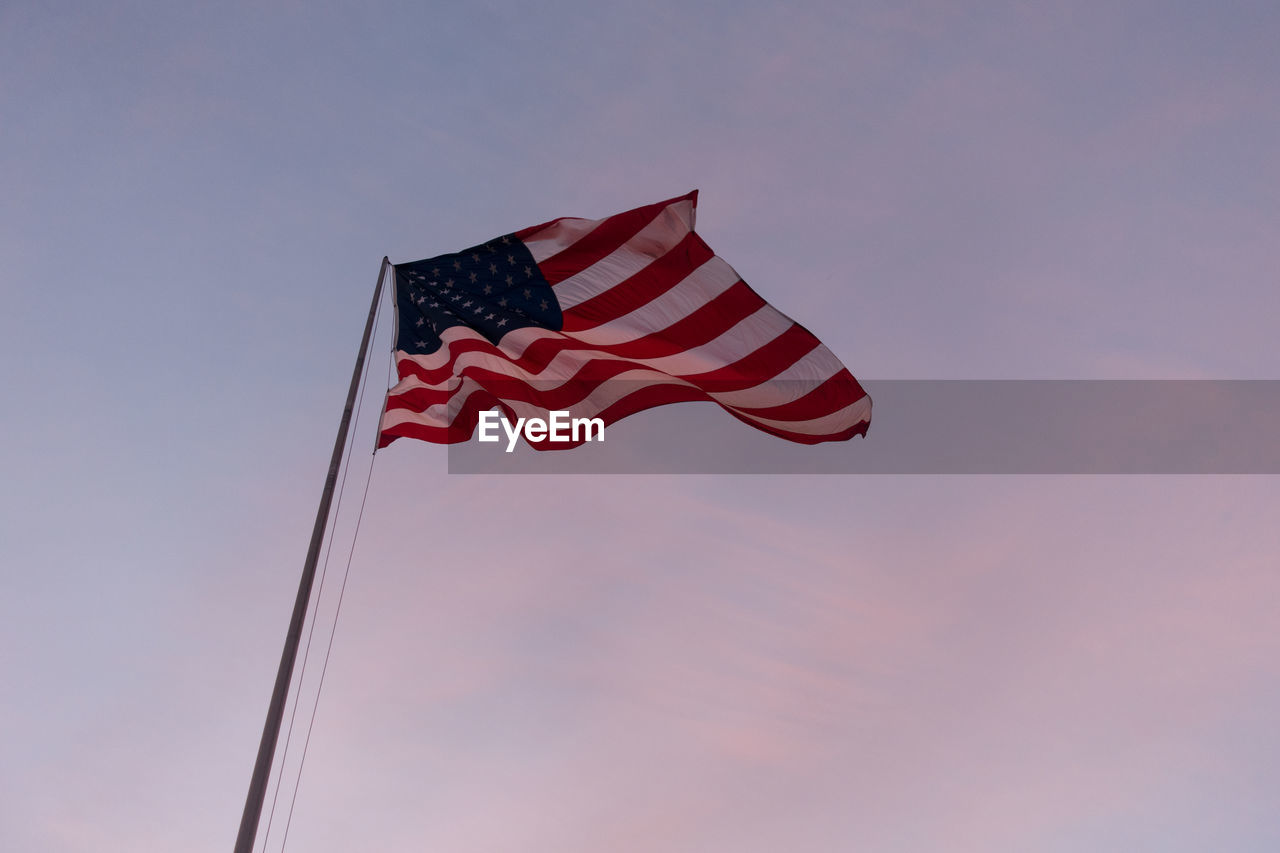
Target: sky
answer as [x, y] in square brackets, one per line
[196, 199]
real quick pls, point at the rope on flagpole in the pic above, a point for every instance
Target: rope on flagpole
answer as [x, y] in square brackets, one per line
[306, 744]
[319, 596]
[284, 674]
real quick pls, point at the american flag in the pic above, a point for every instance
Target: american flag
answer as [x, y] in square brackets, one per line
[604, 318]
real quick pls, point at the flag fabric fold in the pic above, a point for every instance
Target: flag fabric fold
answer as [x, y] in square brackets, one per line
[601, 319]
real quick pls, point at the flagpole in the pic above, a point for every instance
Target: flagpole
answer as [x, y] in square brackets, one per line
[275, 713]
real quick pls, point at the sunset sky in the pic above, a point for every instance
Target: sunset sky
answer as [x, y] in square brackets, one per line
[196, 199]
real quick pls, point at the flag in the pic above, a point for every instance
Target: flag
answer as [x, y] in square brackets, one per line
[601, 319]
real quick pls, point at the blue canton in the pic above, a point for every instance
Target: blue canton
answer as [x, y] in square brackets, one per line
[493, 288]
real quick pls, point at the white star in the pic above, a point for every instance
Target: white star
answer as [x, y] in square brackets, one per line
[489, 316]
[493, 268]
[502, 322]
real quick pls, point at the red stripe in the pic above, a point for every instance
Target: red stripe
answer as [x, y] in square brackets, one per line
[407, 368]
[755, 367]
[464, 423]
[767, 361]
[534, 359]
[460, 429]
[646, 397]
[640, 289]
[660, 395]
[833, 395]
[860, 428]
[560, 395]
[526, 233]
[598, 244]
[704, 325]
[418, 399]
[828, 397]
[532, 230]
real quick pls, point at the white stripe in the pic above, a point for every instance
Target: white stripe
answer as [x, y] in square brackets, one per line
[603, 395]
[651, 242]
[559, 236]
[512, 344]
[816, 367]
[695, 290]
[563, 233]
[733, 345]
[744, 338]
[610, 392]
[791, 384]
[855, 412]
[440, 358]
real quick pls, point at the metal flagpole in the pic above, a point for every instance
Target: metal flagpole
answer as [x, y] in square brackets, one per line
[275, 713]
